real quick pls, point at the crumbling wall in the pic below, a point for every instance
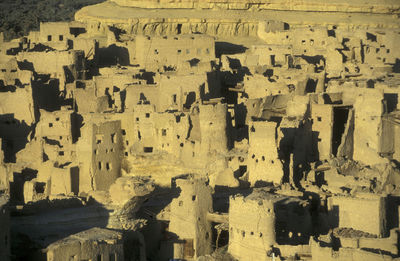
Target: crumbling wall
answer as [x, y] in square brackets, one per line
[263, 162]
[350, 212]
[99, 152]
[368, 126]
[93, 244]
[19, 104]
[171, 51]
[322, 127]
[251, 228]
[189, 219]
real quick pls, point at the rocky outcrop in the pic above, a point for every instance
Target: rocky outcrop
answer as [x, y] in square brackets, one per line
[375, 6]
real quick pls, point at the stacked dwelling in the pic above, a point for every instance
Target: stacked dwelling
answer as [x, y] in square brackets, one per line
[144, 132]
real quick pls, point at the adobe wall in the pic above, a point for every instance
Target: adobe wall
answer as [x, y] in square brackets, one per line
[322, 127]
[189, 216]
[99, 152]
[263, 162]
[93, 244]
[19, 104]
[171, 51]
[351, 213]
[251, 227]
[213, 127]
[368, 108]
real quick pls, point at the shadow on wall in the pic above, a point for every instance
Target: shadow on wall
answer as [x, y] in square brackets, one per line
[17, 186]
[228, 48]
[113, 55]
[158, 240]
[46, 94]
[69, 217]
[293, 223]
[13, 134]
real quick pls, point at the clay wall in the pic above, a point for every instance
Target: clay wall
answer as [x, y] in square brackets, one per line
[263, 163]
[94, 244]
[171, 51]
[251, 234]
[322, 127]
[350, 212]
[189, 219]
[99, 151]
[368, 126]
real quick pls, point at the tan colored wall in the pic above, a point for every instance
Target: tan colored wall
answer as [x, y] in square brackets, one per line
[322, 127]
[55, 62]
[262, 162]
[352, 211]
[99, 151]
[189, 216]
[88, 245]
[368, 126]
[153, 52]
[18, 103]
[251, 228]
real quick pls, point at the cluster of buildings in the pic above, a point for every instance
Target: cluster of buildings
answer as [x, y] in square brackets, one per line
[174, 143]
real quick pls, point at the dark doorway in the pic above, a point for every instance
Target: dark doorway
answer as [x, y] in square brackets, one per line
[75, 180]
[340, 115]
[190, 99]
[179, 29]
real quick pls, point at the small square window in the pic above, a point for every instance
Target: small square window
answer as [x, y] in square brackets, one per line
[319, 118]
[99, 139]
[147, 115]
[50, 125]
[61, 153]
[148, 149]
